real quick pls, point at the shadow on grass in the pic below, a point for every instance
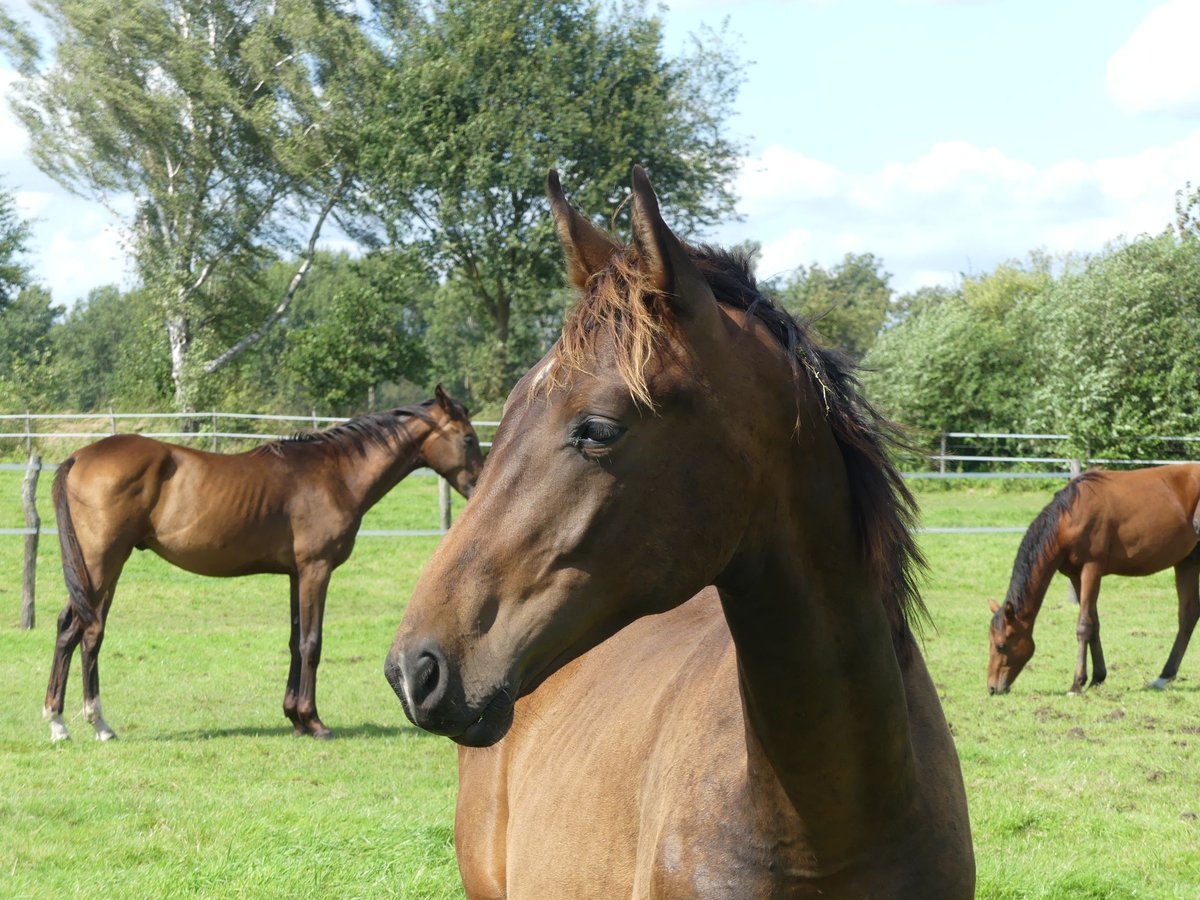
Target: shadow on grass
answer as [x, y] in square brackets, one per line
[367, 731]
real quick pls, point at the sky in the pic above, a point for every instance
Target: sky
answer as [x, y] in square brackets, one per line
[943, 137]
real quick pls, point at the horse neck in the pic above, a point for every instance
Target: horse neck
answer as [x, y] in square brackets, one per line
[1032, 573]
[822, 691]
[380, 465]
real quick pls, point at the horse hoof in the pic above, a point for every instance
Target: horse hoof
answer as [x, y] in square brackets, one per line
[1159, 684]
[323, 734]
[57, 737]
[1075, 692]
[106, 735]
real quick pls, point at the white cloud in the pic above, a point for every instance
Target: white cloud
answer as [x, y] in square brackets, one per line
[1155, 69]
[957, 208]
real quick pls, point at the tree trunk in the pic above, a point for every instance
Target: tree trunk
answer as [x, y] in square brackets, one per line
[180, 339]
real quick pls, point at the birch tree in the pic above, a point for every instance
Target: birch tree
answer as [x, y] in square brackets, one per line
[229, 123]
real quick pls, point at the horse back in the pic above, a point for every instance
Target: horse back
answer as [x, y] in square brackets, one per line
[1136, 522]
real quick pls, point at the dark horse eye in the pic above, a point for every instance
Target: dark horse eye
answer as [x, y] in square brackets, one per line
[594, 433]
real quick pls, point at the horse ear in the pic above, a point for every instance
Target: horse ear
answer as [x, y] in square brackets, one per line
[588, 248]
[671, 268]
[993, 606]
[1010, 614]
[443, 399]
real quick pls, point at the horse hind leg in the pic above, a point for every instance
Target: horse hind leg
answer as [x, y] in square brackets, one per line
[89, 652]
[70, 632]
[1187, 586]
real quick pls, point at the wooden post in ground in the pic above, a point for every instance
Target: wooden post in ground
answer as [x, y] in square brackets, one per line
[32, 521]
[444, 503]
[942, 460]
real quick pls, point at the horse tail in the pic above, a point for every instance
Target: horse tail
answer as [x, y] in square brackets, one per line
[75, 573]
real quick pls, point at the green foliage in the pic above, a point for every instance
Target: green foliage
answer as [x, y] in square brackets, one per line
[847, 305]
[481, 99]
[361, 336]
[1117, 344]
[108, 352]
[14, 240]
[960, 360]
[26, 378]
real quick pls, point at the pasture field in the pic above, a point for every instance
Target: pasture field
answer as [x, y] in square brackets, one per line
[207, 793]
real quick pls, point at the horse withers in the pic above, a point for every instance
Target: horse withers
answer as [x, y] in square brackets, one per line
[1102, 523]
[626, 730]
[290, 507]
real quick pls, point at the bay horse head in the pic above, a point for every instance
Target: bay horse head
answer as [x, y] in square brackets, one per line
[452, 448]
[1010, 647]
[629, 467]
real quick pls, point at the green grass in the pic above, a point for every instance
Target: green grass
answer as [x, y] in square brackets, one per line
[208, 794]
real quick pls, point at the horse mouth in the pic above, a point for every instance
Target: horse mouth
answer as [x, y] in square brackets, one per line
[493, 723]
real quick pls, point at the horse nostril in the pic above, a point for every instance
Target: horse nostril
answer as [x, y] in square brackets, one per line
[426, 676]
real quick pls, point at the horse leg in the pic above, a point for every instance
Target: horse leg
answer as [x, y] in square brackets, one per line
[89, 654]
[70, 632]
[1087, 630]
[1187, 586]
[314, 581]
[293, 682]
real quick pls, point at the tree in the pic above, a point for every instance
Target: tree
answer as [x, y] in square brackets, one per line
[1117, 347]
[25, 348]
[14, 240]
[847, 305]
[482, 98]
[963, 359]
[226, 121]
[108, 352]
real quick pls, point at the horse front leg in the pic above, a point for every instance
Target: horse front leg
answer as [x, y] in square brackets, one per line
[70, 633]
[293, 682]
[314, 582]
[1087, 630]
[1187, 586]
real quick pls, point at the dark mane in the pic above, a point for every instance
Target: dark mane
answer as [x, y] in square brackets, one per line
[620, 303]
[381, 429]
[1041, 541]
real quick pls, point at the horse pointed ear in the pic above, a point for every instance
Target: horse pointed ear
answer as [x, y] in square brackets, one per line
[588, 248]
[670, 266]
[443, 399]
[1010, 614]
[993, 606]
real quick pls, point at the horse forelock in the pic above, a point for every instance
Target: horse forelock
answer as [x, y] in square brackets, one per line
[621, 306]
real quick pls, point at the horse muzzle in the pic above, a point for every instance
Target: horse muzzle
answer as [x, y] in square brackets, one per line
[432, 696]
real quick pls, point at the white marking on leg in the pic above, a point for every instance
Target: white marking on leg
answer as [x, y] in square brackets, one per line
[58, 728]
[1160, 684]
[94, 713]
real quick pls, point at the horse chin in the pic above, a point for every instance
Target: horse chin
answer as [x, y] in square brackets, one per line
[492, 724]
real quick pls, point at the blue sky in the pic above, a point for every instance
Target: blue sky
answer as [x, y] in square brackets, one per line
[945, 137]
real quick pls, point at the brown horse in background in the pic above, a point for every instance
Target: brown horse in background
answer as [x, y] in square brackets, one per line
[778, 735]
[291, 507]
[1102, 523]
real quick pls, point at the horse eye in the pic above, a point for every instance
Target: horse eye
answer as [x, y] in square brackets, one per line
[595, 433]
[469, 439]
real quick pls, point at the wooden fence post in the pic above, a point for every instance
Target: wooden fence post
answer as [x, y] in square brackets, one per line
[34, 522]
[444, 503]
[215, 444]
[942, 461]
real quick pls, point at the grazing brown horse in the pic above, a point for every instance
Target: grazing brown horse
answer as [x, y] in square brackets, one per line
[290, 507]
[1102, 523]
[626, 730]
